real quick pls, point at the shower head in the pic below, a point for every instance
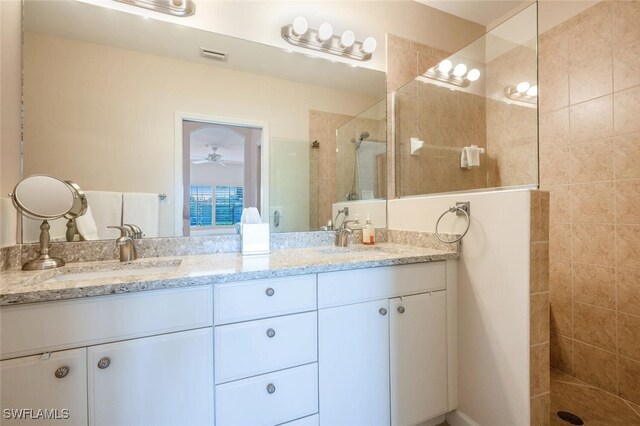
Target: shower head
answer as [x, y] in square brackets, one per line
[358, 142]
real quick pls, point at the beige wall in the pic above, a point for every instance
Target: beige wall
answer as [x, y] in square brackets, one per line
[84, 121]
[589, 146]
[10, 112]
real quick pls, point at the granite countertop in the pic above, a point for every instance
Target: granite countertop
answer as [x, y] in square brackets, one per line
[18, 287]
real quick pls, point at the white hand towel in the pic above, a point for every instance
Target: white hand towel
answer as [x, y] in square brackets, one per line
[106, 209]
[86, 225]
[143, 209]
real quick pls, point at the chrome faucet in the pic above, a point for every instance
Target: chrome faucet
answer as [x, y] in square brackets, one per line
[125, 243]
[343, 233]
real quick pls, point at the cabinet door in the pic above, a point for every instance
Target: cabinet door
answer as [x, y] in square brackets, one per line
[55, 383]
[161, 380]
[418, 358]
[354, 364]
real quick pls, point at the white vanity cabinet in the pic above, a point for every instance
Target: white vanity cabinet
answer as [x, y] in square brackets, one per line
[144, 358]
[159, 380]
[265, 345]
[54, 381]
[390, 360]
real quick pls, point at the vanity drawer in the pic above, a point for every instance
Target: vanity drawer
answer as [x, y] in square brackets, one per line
[43, 327]
[363, 285]
[294, 394]
[246, 349]
[247, 300]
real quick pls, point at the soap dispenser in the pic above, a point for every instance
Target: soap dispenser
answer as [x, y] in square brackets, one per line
[368, 233]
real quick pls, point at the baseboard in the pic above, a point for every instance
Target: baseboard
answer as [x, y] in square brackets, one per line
[433, 422]
[458, 418]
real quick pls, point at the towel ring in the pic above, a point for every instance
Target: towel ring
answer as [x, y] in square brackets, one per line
[461, 207]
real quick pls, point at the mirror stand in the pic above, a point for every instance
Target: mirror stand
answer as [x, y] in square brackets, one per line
[43, 261]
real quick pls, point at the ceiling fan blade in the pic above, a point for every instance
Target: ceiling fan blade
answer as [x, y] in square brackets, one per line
[199, 161]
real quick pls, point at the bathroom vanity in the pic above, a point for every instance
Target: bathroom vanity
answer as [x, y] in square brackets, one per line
[364, 339]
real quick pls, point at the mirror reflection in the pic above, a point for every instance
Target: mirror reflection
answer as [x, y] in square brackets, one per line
[162, 134]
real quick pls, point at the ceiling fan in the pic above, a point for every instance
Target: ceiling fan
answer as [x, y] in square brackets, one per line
[214, 158]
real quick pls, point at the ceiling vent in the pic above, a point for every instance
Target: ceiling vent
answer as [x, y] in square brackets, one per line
[213, 54]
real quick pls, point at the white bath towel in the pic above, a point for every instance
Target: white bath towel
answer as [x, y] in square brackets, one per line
[86, 225]
[106, 209]
[8, 222]
[143, 209]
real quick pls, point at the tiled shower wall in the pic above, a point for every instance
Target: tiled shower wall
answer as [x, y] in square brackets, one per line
[589, 161]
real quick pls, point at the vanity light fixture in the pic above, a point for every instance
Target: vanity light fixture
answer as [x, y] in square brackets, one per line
[523, 92]
[324, 40]
[170, 7]
[459, 75]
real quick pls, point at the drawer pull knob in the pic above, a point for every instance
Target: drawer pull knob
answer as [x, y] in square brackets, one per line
[271, 332]
[104, 363]
[271, 388]
[62, 372]
[401, 309]
[270, 292]
[383, 311]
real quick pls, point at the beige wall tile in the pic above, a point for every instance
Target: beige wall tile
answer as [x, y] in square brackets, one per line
[561, 353]
[626, 150]
[592, 78]
[402, 66]
[591, 33]
[560, 203]
[628, 246]
[592, 161]
[595, 366]
[540, 407]
[593, 243]
[593, 202]
[628, 201]
[539, 318]
[539, 369]
[629, 373]
[554, 128]
[560, 242]
[626, 106]
[554, 90]
[561, 317]
[626, 15]
[594, 285]
[628, 336]
[539, 268]
[554, 166]
[628, 281]
[594, 326]
[592, 119]
[626, 63]
[560, 280]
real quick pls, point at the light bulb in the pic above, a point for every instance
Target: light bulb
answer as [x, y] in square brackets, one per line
[369, 45]
[300, 25]
[347, 39]
[533, 91]
[523, 86]
[445, 66]
[473, 74]
[460, 70]
[325, 32]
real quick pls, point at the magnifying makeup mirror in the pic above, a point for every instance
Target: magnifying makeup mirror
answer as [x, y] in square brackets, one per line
[46, 198]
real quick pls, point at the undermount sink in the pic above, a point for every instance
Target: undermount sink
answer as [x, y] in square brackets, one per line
[115, 271]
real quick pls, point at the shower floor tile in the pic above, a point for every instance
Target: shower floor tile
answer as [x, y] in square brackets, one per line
[593, 405]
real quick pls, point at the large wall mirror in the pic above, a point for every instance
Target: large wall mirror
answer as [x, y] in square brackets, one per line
[161, 134]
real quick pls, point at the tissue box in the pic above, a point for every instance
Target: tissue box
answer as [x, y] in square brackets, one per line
[255, 238]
